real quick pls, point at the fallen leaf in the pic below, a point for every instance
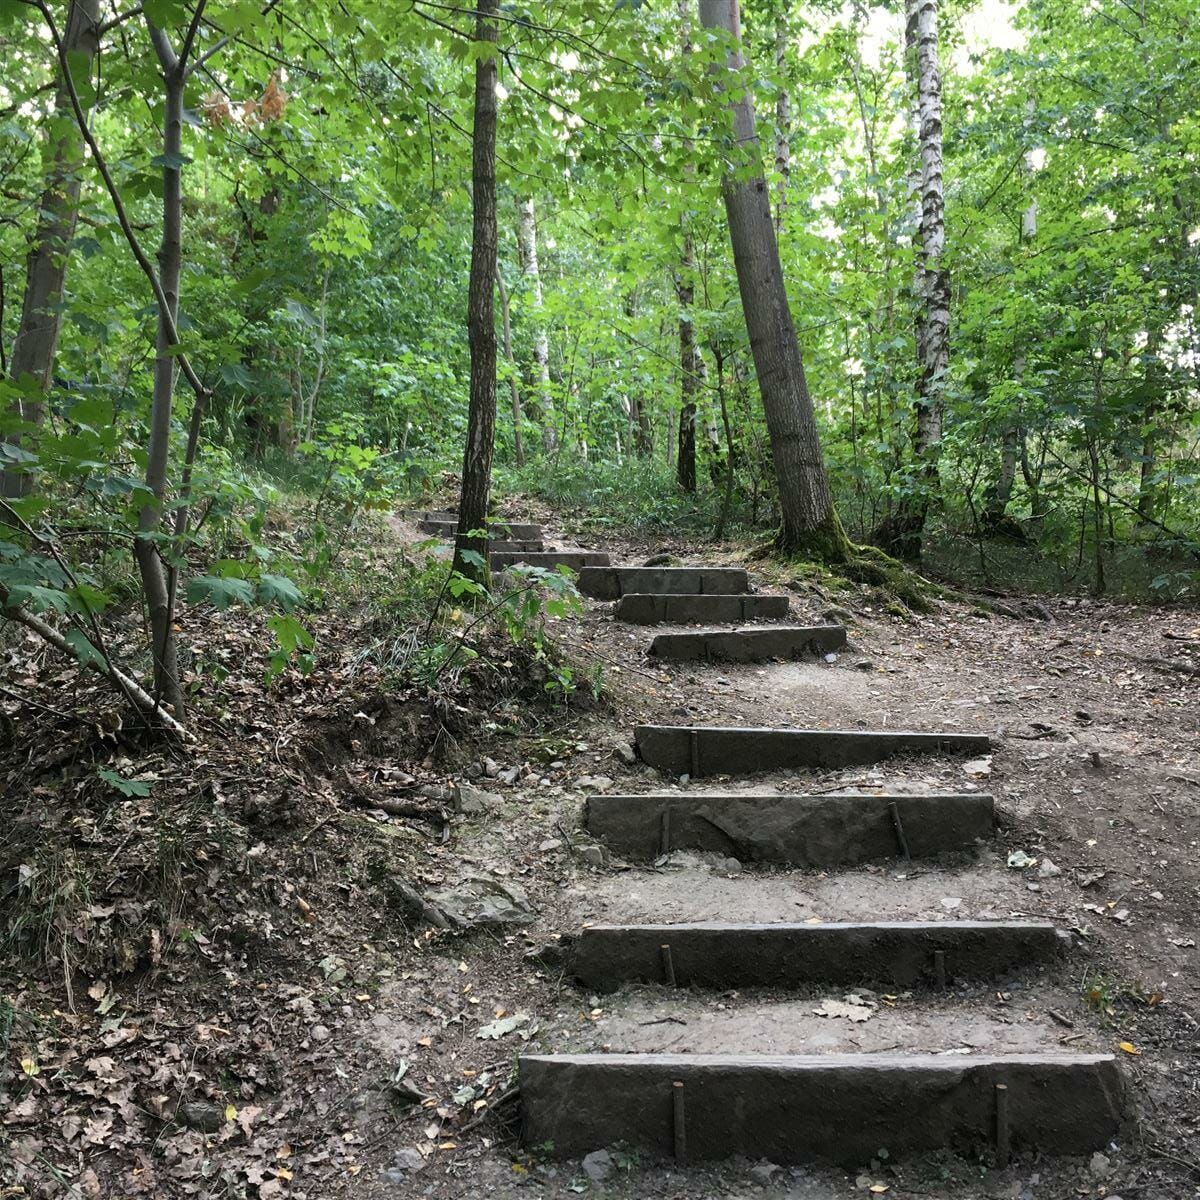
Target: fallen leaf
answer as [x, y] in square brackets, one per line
[1129, 1048]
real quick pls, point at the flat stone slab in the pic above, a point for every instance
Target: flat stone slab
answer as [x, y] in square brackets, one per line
[645, 608]
[899, 954]
[839, 1108]
[749, 645]
[725, 750]
[809, 831]
[521, 531]
[575, 559]
[611, 583]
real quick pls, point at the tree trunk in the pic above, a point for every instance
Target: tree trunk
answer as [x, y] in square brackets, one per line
[513, 391]
[1149, 493]
[527, 242]
[46, 266]
[685, 288]
[481, 317]
[783, 104]
[902, 531]
[810, 523]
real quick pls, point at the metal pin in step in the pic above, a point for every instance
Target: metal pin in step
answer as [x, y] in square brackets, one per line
[664, 831]
[1003, 1134]
[679, 1122]
[668, 965]
[898, 825]
[694, 737]
[939, 969]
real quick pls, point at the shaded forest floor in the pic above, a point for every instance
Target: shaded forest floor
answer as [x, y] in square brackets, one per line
[241, 1000]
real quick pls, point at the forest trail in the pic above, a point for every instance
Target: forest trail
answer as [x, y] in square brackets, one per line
[806, 947]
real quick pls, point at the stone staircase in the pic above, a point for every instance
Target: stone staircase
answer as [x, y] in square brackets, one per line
[769, 1075]
[511, 543]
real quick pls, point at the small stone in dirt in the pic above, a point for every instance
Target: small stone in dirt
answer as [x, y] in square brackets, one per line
[831, 658]
[509, 775]
[200, 1114]
[1099, 1166]
[1033, 887]
[491, 768]
[595, 783]
[865, 665]
[592, 855]
[1049, 870]
[404, 1161]
[835, 615]
[557, 765]
[550, 844]
[1018, 860]
[470, 799]
[484, 900]
[473, 770]
[763, 1171]
[320, 1033]
[598, 1166]
[431, 791]
[661, 559]
[685, 778]
[951, 902]
[626, 753]
[731, 866]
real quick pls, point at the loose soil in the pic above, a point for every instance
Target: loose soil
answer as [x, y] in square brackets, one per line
[292, 1007]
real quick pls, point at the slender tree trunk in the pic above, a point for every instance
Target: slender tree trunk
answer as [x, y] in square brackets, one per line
[685, 289]
[783, 119]
[170, 266]
[481, 317]
[810, 523]
[903, 530]
[527, 243]
[513, 390]
[1148, 492]
[46, 266]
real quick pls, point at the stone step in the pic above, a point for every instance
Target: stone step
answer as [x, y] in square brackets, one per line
[840, 1108]
[520, 531]
[749, 645]
[883, 954]
[611, 583]
[725, 750]
[577, 560]
[646, 608]
[421, 515]
[810, 831]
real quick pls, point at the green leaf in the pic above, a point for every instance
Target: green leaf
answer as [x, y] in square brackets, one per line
[127, 787]
[85, 652]
[278, 589]
[220, 593]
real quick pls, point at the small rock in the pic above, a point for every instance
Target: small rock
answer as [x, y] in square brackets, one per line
[470, 799]
[200, 1114]
[1099, 1166]
[731, 866]
[431, 791]
[592, 855]
[864, 665]
[550, 844]
[320, 1033]
[763, 1171]
[491, 768]
[1018, 860]
[599, 1166]
[836, 615]
[1033, 887]
[626, 753]
[557, 765]
[595, 783]
[404, 1162]
[509, 775]
[473, 770]
[685, 778]
[1049, 870]
[831, 658]
[951, 902]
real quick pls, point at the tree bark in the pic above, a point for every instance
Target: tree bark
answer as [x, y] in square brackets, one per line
[36, 339]
[903, 530]
[685, 289]
[170, 266]
[513, 390]
[527, 243]
[481, 317]
[809, 521]
[783, 118]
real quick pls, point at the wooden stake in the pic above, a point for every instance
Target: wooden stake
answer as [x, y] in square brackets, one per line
[695, 745]
[939, 969]
[668, 965]
[1003, 1134]
[664, 831]
[898, 825]
[679, 1122]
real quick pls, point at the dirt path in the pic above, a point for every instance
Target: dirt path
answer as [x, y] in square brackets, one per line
[1097, 776]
